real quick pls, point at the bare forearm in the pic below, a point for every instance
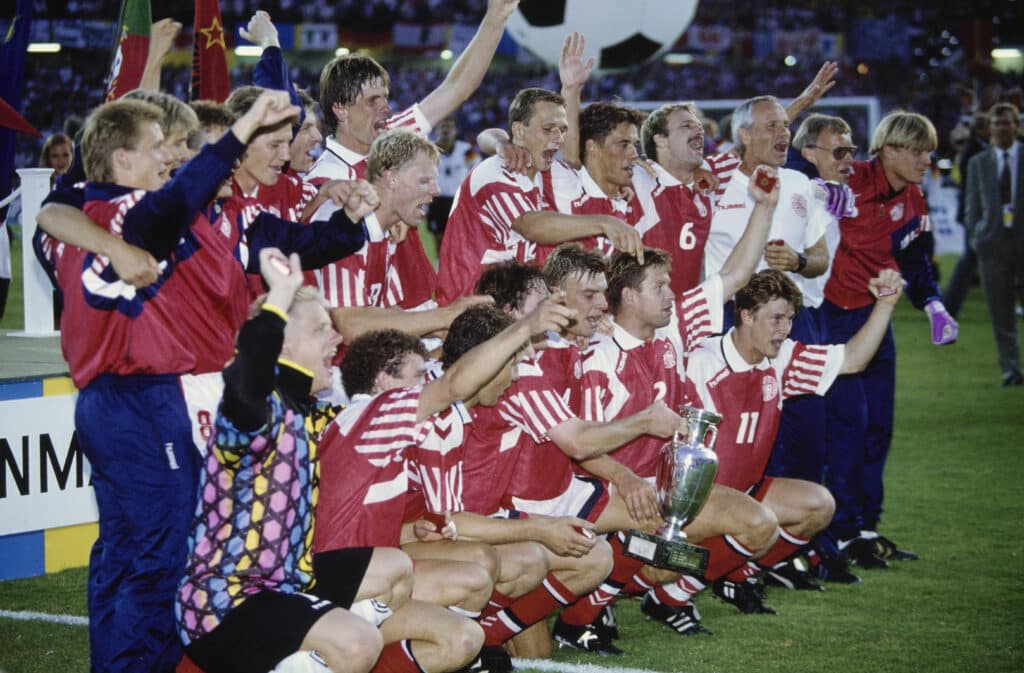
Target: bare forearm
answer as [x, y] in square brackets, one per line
[354, 321]
[479, 528]
[740, 263]
[571, 141]
[72, 226]
[606, 468]
[550, 228]
[817, 261]
[583, 440]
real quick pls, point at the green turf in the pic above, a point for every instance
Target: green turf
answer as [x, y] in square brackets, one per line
[953, 495]
[14, 316]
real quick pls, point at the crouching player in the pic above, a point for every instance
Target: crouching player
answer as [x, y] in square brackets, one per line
[365, 479]
[249, 597]
[745, 375]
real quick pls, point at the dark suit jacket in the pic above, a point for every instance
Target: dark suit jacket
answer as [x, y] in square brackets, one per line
[984, 212]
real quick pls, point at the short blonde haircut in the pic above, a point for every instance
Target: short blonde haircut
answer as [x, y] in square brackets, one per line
[394, 149]
[113, 126]
[177, 114]
[901, 129]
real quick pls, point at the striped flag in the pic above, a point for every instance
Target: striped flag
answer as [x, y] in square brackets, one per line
[210, 80]
[130, 48]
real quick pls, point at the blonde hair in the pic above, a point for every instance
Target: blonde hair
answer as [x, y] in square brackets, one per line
[396, 148]
[113, 126]
[901, 129]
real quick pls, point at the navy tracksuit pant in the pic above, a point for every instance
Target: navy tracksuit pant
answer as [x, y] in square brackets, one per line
[136, 434]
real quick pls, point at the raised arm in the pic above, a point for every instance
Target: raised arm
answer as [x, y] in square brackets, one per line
[743, 259]
[465, 76]
[887, 288]
[271, 71]
[573, 72]
[822, 83]
[252, 376]
[475, 369]
[161, 39]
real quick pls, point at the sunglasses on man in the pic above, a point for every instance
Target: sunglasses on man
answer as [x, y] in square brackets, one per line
[838, 153]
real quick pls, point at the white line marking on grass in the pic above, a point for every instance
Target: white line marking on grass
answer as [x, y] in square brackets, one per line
[551, 666]
[27, 616]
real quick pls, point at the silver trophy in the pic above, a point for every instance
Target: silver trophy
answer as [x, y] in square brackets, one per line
[686, 471]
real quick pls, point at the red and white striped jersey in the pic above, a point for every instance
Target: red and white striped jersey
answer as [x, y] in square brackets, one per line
[577, 193]
[479, 230]
[363, 478]
[495, 439]
[749, 398]
[623, 375]
[410, 276]
[435, 464]
[543, 470]
[723, 165]
[676, 220]
[287, 197]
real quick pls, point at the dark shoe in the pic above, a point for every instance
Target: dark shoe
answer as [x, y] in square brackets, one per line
[492, 659]
[861, 553]
[607, 624]
[743, 595]
[836, 570]
[584, 638]
[684, 619]
[1012, 379]
[793, 575]
[886, 549]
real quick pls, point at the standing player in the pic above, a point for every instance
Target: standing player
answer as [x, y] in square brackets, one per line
[354, 100]
[673, 138]
[494, 204]
[126, 350]
[890, 231]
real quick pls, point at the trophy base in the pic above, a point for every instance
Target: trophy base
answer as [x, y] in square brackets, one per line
[675, 555]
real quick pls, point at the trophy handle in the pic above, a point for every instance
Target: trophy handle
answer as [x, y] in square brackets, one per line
[713, 429]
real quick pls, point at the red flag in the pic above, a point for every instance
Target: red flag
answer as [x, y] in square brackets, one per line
[130, 49]
[10, 119]
[210, 79]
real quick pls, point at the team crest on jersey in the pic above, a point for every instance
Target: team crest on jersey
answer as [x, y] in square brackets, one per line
[669, 358]
[769, 388]
[897, 212]
[799, 205]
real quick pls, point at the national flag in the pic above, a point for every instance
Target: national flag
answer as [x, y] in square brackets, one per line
[210, 79]
[12, 83]
[131, 47]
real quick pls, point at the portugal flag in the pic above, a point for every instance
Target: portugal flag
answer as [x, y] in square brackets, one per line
[210, 79]
[131, 47]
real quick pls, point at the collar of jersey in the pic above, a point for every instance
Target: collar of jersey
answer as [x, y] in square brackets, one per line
[104, 191]
[350, 157]
[624, 339]
[733, 358]
[296, 382]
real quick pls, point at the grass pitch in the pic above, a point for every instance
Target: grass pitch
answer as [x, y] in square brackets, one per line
[953, 494]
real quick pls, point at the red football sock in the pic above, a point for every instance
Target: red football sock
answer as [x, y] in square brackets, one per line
[587, 609]
[787, 545]
[525, 611]
[499, 601]
[637, 585]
